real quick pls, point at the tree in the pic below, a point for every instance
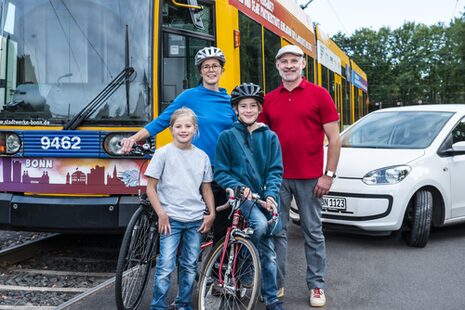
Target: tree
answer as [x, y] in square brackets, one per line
[370, 50]
[412, 64]
[452, 69]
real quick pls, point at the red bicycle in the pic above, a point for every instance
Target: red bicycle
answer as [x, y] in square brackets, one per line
[230, 278]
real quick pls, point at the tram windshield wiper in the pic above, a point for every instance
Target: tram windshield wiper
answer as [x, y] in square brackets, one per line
[123, 77]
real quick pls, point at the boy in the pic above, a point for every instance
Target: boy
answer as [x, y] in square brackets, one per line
[262, 176]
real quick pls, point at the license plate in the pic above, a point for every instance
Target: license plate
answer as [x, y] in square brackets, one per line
[334, 203]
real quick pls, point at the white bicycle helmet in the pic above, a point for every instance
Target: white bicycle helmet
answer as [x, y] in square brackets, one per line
[207, 53]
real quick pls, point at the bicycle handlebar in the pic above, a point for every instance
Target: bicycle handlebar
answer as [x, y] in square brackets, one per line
[233, 197]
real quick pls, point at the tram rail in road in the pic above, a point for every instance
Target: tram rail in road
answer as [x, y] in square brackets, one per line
[28, 249]
[55, 271]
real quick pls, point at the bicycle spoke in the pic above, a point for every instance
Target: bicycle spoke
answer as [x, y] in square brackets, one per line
[137, 261]
[239, 285]
[134, 262]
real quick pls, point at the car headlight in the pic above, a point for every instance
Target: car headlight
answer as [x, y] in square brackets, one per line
[387, 175]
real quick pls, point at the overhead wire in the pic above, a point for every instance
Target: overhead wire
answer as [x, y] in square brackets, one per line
[67, 37]
[455, 8]
[337, 16]
[87, 38]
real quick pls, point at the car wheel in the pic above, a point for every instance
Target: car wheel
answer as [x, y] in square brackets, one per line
[418, 219]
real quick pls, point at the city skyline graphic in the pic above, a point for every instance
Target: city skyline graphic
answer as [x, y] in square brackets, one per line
[17, 177]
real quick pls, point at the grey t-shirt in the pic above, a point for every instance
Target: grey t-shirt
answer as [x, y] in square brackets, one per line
[180, 174]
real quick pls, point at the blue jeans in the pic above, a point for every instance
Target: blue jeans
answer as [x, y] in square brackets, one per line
[166, 264]
[264, 244]
[310, 222]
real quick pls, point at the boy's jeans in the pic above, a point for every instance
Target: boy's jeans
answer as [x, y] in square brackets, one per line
[257, 220]
[166, 264]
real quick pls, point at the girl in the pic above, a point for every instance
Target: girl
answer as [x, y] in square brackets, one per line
[175, 174]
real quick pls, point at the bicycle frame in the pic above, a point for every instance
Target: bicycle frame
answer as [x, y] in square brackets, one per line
[230, 233]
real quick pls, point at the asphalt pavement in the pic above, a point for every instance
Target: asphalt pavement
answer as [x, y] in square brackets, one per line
[365, 273]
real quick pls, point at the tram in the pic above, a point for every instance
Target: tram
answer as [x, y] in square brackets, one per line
[76, 76]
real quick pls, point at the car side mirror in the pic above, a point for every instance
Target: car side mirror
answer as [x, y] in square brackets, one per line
[457, 148]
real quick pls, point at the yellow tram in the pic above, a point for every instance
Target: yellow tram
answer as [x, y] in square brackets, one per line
[78, 75]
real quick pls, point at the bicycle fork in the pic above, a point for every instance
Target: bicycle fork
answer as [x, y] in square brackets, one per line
[233, 256]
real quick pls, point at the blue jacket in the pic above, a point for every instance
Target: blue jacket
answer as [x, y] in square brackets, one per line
[232, 169]
[214, 114]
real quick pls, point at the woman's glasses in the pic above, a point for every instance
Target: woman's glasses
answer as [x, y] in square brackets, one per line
[213, 67]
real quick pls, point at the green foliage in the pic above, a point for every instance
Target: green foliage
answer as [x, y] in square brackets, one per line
[412, 64]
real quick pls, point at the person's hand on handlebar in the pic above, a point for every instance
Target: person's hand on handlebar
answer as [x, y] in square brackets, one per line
[270, 204]
[247, 193]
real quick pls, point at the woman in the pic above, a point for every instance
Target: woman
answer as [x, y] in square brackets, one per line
[212, 105]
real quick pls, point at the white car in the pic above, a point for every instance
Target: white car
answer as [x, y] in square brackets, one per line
[400, 169]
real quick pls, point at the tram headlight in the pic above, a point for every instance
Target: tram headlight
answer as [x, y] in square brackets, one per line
[112, 143]
[10, 143]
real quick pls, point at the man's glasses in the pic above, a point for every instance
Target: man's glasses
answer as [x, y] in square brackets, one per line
[213, 67]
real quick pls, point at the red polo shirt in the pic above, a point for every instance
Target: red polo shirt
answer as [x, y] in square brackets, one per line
[297, 117]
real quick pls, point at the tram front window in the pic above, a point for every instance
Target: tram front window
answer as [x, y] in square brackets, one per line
[57, 55]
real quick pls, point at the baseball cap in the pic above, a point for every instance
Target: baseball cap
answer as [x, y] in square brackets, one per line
[289, 49]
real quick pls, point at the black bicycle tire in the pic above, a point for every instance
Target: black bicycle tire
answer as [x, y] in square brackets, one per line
[126, 247]
[216, 252]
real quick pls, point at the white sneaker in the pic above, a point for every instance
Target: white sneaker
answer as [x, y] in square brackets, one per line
[317, 297]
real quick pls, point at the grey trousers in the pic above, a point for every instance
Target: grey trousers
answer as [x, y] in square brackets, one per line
[310, 222]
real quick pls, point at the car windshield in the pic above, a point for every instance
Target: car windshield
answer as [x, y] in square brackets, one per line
[57, 55]
[396, 129]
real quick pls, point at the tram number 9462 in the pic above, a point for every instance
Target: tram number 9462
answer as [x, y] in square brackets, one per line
[65, 143]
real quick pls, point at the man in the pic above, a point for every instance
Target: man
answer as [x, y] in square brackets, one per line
[301, 114]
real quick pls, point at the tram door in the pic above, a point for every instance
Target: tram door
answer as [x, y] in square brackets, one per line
[338, 97]
[179, 71]
[183, 33]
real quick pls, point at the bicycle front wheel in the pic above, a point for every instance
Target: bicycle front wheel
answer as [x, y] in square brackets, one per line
[135, 259]
[233, 284]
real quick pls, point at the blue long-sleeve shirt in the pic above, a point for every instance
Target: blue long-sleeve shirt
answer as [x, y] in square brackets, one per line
[214, 114]
[232, 169]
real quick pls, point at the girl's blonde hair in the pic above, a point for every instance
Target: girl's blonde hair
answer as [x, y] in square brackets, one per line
[183, 112]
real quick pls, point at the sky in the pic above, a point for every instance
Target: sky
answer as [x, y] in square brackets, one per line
[349, 15]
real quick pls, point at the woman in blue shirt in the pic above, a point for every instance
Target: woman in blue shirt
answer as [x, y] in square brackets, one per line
[212, 106]
[210, 103]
